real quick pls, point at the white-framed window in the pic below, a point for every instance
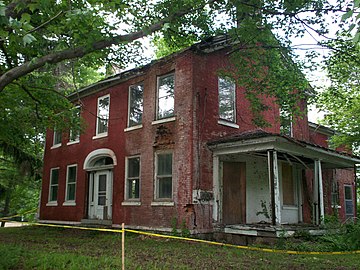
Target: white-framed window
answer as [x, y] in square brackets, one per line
[57, 137]
[71, 177]
[54, 185]
[135, 113]
[349, 203]
[132, 182]
[103, 111]
[74, 135]
[334, 193]
[163, 175]
[286, 127]
[227, 99]
[165, 96]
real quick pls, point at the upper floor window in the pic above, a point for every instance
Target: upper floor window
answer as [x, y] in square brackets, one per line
[165, 96]
[54, 184]
[57, 137]
[71, 182]
[135, 105]
[227, 99]
[163, 177]
[132, 178]
[74, 135]
[285, 123]
[103, 109]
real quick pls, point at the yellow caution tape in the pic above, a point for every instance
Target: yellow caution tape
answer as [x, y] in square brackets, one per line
[18, 215]
[198, 240]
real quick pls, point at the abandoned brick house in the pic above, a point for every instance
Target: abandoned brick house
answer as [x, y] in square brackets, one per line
[174, 141]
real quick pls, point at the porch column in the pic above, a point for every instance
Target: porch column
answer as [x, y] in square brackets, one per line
[274, 187]
[216, 188]
[318, 194]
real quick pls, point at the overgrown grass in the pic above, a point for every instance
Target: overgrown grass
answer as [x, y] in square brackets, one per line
[53, 248]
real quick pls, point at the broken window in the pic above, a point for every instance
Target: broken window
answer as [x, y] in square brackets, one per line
[54, 184]
[349, 204]
[71, 182]
[227, 101]
[133, 178]
[288, 185]
[103, 110]
[135, 104]
[165, 96]
[163, 175]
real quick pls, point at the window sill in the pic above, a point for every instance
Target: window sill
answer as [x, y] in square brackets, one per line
[290, 207]
[228, 124]
[73, 142]
[99, 136]
[336, 206]
[164, 120]
[52, 204]
[162, 203]
[130, 203]
[69, 203]
[55, 146]
[132, 128]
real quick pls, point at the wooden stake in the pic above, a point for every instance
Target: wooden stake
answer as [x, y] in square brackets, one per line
[123, 246]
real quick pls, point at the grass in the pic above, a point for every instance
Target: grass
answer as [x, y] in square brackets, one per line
[55, 248]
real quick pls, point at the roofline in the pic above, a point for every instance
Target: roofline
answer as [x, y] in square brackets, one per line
[322, 129]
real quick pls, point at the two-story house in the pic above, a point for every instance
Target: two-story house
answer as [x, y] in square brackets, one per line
[173, 140]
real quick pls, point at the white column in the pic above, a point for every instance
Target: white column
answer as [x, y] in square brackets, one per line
[216, 188]
[321, 193]
[316, 193]
[277, 190]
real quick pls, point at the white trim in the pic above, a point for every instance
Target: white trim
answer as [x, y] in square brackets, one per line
[156, 188]
[59, 222]
[97, 135]
[102, 152]
[162, 203]
[55, 146]
[131, 203]
[157, 94]
[67, 182]
[227, 123]
[72, 142]
[128, 115]
[52, 203]
[133, 128]
[321, 194]
[216, 188]
[69, 203]
[163, 120]
[277, 189]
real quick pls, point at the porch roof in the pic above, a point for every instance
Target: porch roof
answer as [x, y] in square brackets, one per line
[258, 142]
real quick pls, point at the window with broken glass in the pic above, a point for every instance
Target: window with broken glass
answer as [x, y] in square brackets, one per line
[164, 177]
[165, 96]
[133, 178]
[135, 105]
[103, 110]
[227, 99]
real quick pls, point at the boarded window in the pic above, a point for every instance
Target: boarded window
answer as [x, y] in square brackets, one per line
[288, 187]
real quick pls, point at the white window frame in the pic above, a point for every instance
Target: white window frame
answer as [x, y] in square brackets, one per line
[129, 201]
[77, 139]
[103, 134]
[348, 215]
[157, 118]
[56, 144]
[67, 201]
[223, 120]
[50, 201]
[139, 125]
[156, 184]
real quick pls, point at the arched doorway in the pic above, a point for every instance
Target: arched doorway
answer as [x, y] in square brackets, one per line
[99, 164]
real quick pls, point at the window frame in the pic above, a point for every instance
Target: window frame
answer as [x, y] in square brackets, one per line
[67, 200]
[157, 116]
[77, 138]
[51, 201]
[349, 215]
[138, 125]
[234, 111]
[102, 134]
[294, 185]
[127, 178]
[156, 176]
[56, 134]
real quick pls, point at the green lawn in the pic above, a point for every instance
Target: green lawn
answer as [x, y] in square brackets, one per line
[56, 248]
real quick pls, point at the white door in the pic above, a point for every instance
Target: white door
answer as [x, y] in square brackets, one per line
[100, 206]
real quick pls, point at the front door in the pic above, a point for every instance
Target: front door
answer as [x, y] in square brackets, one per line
[234, 192]
[100, 206]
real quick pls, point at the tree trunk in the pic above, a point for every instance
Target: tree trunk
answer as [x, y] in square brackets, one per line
[6, 206]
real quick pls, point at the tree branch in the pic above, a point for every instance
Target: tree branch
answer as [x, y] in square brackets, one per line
[78, 52]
